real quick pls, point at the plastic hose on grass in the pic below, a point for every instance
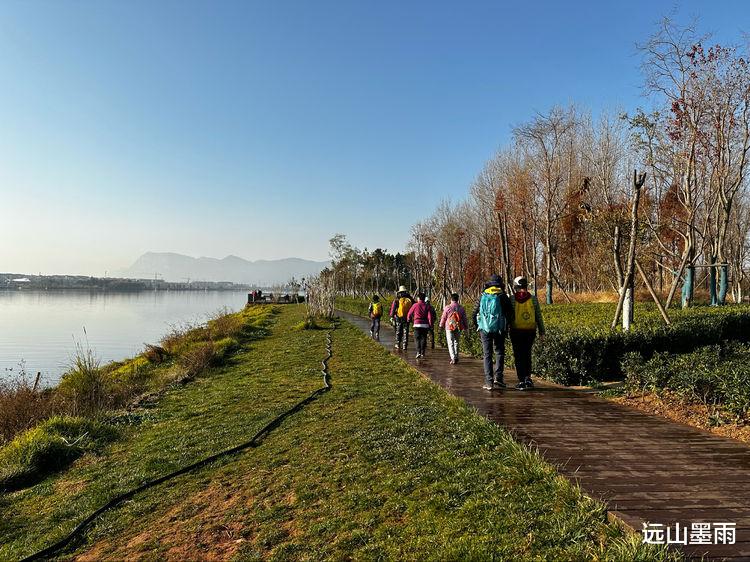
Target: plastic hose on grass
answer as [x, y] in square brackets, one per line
[254, 442]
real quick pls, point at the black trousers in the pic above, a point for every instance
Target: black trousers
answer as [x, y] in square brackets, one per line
[493, 341]
[420, 334]
[522, 342]
[402, 332]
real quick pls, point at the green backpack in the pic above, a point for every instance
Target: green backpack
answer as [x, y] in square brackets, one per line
[491, 318]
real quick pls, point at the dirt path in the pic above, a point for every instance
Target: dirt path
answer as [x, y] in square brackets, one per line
[646, 468]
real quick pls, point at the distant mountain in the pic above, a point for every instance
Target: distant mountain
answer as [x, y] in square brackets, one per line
[177, 267]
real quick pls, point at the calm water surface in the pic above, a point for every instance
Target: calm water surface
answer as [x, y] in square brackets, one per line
[41, 328]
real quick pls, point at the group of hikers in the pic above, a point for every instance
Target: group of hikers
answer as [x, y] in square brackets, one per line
[496, 316]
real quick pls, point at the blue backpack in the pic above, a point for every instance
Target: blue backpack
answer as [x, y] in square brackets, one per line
[491, 317]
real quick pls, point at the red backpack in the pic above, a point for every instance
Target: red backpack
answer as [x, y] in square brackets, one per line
[454, 321]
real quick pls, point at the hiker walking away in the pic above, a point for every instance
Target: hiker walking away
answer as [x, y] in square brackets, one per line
[423, 318]
[492, 315]
[527, 319]
[399, 310]
[453, 320]
[375, 311]
[432, 328]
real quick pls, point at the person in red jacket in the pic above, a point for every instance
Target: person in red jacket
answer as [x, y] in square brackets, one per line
[423, 318]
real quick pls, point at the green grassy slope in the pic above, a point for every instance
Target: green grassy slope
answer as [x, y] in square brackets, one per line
[385, 466]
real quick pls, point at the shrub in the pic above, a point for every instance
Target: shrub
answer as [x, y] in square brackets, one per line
[314, 323]
[196, 359]
[155, 353]
[22, 405]
[49, 447]
[716, 375]
[83, 388]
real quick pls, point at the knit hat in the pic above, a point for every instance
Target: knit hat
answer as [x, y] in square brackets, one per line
[495, 281]
[521, 282]
[402, 289]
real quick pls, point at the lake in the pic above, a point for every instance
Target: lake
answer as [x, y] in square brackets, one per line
[39, 329]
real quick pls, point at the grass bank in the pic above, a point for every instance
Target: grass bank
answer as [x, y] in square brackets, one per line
[385, 466]
[43, 430]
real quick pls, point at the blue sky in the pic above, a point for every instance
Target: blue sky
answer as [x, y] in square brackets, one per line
[262, 128]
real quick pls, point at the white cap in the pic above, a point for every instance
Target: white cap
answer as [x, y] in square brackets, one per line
[520, 279]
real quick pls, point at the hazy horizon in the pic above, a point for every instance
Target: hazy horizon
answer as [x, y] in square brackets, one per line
[262, 129]
[114, 272]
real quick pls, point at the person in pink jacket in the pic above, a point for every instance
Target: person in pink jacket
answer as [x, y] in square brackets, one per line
[453, 320]
[423, 318]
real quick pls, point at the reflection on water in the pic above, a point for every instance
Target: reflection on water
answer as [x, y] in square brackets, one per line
[41, 328]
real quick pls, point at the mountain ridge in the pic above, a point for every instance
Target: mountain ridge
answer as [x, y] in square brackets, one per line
[175, 267]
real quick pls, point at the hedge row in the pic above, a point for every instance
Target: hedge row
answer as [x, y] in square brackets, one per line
[716, 375]
[584, 355]
[580, 348]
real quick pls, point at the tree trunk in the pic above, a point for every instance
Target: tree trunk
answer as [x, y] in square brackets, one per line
[626, 289]
[712, 281]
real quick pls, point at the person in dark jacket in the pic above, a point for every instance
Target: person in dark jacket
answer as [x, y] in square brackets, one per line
[398, 313]
[492, 316]
[421, 314]
[527, 320]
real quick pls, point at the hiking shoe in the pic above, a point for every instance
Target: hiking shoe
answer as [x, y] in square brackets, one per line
[453, 361]
[487, 387]
[397, 346]
[521, 385]
[499, 385]
[528, 383]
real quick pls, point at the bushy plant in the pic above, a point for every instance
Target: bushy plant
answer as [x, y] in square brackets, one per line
[48, 447]
[83, 388]
[715, 375]
[196, 359]
[22, 405]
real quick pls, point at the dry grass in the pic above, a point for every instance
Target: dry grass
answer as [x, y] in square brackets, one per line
[22, 405]
[196, 359]
[83, 389]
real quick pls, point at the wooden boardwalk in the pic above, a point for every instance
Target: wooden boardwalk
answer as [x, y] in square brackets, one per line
[646, 468]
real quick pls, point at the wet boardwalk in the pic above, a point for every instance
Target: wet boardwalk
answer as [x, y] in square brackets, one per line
[645, 467]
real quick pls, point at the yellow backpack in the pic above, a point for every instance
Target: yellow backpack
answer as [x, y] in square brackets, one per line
[525, 315]
[376, 312]
[404, 304]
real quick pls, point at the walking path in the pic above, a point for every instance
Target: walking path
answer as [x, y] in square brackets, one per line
[647, 469]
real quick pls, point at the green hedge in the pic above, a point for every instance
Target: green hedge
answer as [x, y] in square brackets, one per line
[716, 375]
[585, 354]
[580, 348]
